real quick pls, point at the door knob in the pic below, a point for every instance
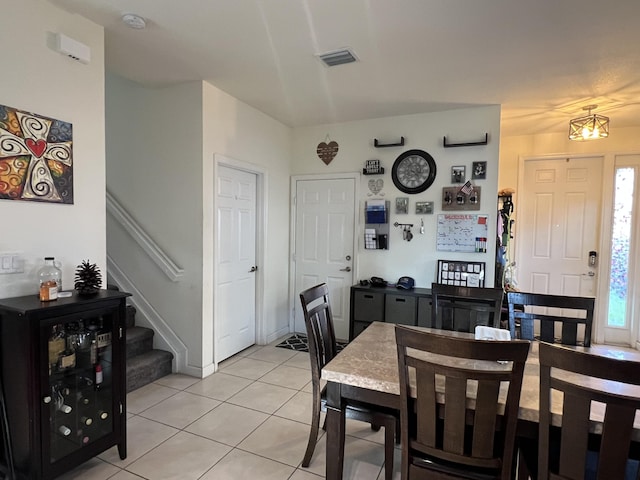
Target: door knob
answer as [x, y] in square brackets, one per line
[346, 269]
[253, 269]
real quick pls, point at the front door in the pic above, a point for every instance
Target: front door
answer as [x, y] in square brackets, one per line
[558, 224]
[324, 244]
[235, 327]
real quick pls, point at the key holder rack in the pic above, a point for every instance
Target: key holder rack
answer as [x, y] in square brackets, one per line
[406, 230]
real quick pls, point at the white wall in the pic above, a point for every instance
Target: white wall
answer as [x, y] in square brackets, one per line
[417, 258]
[160, 148]
[36, 79]
[620, 140]
[154, 139]
[246, 135]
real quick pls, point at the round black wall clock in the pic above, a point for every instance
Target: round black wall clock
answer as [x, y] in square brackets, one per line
[413, 171]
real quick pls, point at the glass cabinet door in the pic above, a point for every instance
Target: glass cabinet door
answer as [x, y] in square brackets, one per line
[78, 391]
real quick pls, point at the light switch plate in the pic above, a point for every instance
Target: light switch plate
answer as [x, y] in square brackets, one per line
[11, 263]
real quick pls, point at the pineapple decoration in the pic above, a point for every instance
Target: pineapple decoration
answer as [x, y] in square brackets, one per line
[88, 278]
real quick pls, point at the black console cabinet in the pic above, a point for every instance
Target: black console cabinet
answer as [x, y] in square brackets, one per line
[63, 372]
[388, 304]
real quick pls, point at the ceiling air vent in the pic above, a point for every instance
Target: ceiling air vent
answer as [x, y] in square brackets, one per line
[338, 57]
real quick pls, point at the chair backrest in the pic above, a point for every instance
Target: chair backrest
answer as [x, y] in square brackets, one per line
[318, 321]
[463, 308]
[521, 305]
[577, 447]
[474, 439]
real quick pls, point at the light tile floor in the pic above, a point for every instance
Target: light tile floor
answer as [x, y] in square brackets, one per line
[249, 420]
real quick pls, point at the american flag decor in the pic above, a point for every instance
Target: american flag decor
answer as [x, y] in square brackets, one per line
[467, 188]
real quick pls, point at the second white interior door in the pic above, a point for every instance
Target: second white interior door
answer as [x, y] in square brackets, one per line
[324, 245]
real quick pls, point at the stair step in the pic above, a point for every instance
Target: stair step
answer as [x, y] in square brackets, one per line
[139, 340]
[130, 318]
[147, 367]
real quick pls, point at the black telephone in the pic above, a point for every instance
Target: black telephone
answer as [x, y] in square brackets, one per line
[378, 282]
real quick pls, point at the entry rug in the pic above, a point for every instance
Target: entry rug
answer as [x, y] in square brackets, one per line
[298, 342]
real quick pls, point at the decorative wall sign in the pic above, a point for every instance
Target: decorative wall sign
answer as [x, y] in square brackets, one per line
[373, 167]
[327, 150]
[36, 157]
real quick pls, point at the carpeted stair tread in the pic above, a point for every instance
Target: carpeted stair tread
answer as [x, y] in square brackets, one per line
[147, 367]
[139, 340]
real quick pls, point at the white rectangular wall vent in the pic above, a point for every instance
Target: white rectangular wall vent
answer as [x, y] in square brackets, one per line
[72, 48]
[338, 57]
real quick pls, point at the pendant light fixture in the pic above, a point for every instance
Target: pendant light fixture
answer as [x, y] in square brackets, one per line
[590, 126]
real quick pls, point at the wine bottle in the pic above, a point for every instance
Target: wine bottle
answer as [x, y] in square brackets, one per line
[64, 430]
[99, 378]
[86, 420]
[103, 414]
[81, 399]
[56, 345]
[64, 408]
[93, 352]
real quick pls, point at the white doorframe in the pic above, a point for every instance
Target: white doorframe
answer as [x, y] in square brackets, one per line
[605, 223]
[293, 296]
[261, 215]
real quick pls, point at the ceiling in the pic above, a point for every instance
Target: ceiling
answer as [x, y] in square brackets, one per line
[542, 60]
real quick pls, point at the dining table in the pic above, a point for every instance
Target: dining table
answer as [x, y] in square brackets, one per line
[366, 370]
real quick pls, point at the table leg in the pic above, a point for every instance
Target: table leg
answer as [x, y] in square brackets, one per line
[335, 432]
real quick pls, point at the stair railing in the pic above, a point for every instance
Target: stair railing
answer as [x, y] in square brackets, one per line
[151, 248]
[147, 316]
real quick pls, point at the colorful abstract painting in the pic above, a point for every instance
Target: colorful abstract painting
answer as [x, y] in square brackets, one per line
[36, 157]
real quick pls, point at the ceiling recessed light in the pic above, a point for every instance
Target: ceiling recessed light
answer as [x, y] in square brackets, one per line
[134, 21]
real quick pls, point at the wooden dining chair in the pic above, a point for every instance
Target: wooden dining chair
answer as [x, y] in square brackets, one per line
[582, 454]
[463, 308]
[572, 315]
[446, 435]
[322, 348]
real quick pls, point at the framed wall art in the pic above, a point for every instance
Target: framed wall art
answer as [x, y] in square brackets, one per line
[423, 208]
[402, 205]
[479, 170]
[458, 174]
[36, 157]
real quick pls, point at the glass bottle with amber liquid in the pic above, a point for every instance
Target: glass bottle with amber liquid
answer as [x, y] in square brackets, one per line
[49, 280]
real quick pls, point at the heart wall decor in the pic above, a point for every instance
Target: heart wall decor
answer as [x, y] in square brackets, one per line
[375, 186]
[327, 151]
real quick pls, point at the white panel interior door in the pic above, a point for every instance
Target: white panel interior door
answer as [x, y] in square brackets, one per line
[558, 224]
[324, 234]
[235, 318]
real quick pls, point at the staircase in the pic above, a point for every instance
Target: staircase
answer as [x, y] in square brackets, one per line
[144, 363]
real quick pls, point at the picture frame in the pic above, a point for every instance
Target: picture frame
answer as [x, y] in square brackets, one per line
[458, 174]
[479, 170]
[402, 205]
[424, 208]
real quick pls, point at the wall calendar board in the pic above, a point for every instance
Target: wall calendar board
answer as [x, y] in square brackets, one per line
[460, 273]
[460, 232]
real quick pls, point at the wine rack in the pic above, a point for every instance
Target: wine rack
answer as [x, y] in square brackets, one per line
[63, 371]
